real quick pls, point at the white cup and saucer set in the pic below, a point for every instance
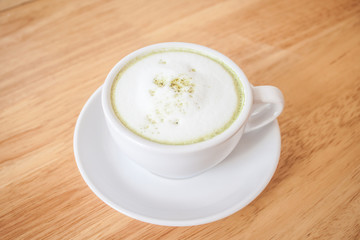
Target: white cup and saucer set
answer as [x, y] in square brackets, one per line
[179, 184]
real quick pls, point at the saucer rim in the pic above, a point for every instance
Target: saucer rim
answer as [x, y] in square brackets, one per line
[163, 221]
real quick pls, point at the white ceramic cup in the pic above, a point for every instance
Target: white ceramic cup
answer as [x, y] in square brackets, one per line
[262, 105]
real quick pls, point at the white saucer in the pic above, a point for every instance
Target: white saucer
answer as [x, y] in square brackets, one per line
[137, 193]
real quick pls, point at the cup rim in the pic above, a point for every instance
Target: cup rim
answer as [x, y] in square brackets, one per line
[120, 129]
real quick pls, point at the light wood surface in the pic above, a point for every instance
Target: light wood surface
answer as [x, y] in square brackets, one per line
[55, 54]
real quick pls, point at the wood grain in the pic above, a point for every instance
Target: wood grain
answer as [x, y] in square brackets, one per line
[55, 54]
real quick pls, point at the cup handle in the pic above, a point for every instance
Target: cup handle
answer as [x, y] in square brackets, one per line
[267, 106]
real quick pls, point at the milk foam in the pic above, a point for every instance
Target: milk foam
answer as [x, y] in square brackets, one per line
[176, 97]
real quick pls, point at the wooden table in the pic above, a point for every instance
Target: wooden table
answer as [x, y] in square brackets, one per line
[55, 54]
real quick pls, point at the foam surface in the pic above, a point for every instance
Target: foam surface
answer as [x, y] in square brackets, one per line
[176, 97]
